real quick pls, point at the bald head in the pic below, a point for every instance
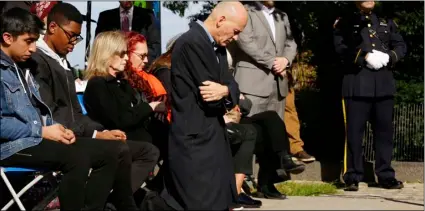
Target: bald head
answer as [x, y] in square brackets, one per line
[226, 21]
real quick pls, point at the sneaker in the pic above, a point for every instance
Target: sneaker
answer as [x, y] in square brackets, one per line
[304, 157]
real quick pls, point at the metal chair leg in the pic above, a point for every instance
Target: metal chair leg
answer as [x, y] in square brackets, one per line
[12, 191]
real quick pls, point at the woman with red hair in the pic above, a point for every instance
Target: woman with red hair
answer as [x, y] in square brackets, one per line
[148, 87]
[145, 83]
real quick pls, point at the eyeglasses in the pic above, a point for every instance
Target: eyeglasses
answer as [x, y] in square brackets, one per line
[72, 38]
[141, 56]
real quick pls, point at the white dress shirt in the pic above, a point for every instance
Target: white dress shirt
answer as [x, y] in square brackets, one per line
[130, 16]
[268, 13]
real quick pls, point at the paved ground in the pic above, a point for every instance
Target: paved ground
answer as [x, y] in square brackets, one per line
[409, 198]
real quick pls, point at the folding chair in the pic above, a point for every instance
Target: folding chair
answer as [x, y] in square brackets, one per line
[81, 101]
[16, 196]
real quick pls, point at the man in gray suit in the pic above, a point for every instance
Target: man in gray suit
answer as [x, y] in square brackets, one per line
[263, 52]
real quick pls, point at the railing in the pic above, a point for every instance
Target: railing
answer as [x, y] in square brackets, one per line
[408, 135]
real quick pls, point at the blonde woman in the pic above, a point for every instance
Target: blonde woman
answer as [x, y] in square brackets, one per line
[109, 100]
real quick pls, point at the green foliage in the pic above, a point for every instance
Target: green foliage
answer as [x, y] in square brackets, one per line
[409, 92]
[205, 11]
[177, 7]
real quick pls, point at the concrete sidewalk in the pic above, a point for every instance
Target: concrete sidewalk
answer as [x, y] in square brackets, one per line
[334, 203]
[409, 198]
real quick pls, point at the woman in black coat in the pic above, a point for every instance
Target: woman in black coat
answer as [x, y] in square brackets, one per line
[109, 98]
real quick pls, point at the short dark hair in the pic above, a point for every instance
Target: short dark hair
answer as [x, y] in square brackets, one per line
[18, 21]
[64, 13]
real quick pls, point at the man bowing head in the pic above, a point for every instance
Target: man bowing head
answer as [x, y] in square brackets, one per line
[199, 159]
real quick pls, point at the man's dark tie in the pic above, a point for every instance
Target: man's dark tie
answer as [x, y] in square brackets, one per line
[125, 25]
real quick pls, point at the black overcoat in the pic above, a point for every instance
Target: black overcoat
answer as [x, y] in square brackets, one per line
[201, 175]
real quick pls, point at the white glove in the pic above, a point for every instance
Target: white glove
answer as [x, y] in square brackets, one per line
[377, 59]
[374, 60]
[385, 58]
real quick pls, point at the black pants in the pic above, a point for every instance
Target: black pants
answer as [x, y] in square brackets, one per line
[144, 158]
[272, 142]
[74, 161]
[379, 112]
[242, 138]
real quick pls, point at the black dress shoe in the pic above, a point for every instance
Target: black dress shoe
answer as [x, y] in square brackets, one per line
[288, 165]
[352, 186]
[248, 202]
[391, 184]
[269, 192]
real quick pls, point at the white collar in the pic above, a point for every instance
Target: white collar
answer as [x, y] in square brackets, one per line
[266, 9]
[130, 11]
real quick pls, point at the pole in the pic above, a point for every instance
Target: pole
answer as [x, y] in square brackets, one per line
[88, 33]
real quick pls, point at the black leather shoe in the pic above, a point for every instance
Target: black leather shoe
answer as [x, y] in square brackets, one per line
[391, 184]
[352, 186]
[269, 192]
[248, 202]
[288, 165]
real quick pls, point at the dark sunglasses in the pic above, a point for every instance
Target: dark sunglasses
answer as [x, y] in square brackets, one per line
[141, 56]
[72, 38]
[122, 54]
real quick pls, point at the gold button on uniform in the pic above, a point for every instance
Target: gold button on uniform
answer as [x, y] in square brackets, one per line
[371, 35]
[368, 25]
[367, 17]
[373, 45]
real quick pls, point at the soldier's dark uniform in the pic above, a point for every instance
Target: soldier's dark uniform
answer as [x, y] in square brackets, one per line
[368, 93]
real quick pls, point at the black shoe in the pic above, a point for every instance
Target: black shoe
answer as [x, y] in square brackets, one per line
[153, 201]
[352, 186]
[391, 184]
[269, 192]
[288, 165]
[248, 202]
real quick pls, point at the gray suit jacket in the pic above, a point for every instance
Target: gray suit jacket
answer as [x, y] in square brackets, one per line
[255, 51]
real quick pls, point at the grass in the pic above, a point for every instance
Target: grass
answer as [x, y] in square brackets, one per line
[306, 188]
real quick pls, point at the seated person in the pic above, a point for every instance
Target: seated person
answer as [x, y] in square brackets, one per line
[272, 150]
[242, 138]
[109, 98]
[147, 86]
[52, 71]
[31, 139]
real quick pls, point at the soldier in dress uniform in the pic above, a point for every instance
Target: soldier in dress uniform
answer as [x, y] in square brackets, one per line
[369, 47]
